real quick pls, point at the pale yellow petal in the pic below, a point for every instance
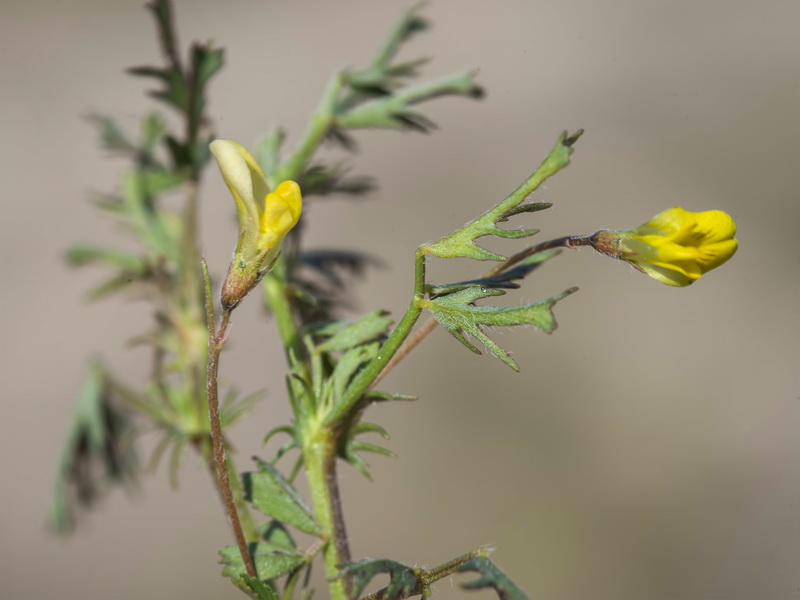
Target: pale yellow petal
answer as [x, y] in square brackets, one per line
[238, 177]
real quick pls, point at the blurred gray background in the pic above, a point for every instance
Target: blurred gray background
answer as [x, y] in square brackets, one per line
[648, 449]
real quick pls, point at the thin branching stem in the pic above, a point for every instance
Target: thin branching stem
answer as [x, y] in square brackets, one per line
[570, 241]
[216, 341]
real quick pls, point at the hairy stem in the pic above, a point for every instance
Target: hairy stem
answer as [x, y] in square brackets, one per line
[216, 341]
[319, 454]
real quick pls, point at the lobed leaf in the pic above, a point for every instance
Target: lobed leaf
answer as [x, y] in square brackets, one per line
[491, 576]
[403, 580]
[460, 317]
[462, 242]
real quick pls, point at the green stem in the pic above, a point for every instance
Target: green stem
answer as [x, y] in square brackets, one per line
[321, 121]
[276, 295]
[319, 453]
[570, 241]
[367, 376]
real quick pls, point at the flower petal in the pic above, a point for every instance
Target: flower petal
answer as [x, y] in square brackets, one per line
[282, 210]
[244, 179]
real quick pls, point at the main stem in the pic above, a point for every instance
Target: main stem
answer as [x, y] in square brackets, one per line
[319, 454]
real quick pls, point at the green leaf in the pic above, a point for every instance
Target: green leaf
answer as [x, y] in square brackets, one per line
[462, 242]
[267, 151]
[206, 62]
[270, 561]
[112, 136]
[97, 452]
[376, 396]
[258, 589]
[153, 129]
[403, 580]
[370, 327]
[275, 533]
[347, 366]
[274, 496]
[460, 317]
[393, 111]
[81, 254]
[491, 576]
[155, 182]
[379, 76]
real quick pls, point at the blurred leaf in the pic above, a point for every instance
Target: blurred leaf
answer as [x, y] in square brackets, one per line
[111, 135]
[270, 493]
[376, 396]
[274, 533]
[351, 446]
[206, 62]
[403, 580]
[322, 180]
[491, 576]
[270, 561]
[460, 317]
[153, 129]
[380, 75]
[267, 151]
[96, 455]
[367, 329]
[259, 590]
[393, 111]
[81, 254]
[324, 285]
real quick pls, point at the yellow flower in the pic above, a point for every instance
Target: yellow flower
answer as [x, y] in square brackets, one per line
[264, 218]
[675, 247]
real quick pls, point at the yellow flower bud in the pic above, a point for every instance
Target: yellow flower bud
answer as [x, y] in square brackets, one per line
[264, 218]
[675, 247]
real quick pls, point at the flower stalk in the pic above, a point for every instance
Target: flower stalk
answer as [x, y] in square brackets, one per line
[216, 341]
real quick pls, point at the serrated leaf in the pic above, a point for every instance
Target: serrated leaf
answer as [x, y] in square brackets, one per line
[360, 332]
[461, 243]
[403, 580]
[270, 493]
[460, 317]
[270, 561]
[491, 576]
